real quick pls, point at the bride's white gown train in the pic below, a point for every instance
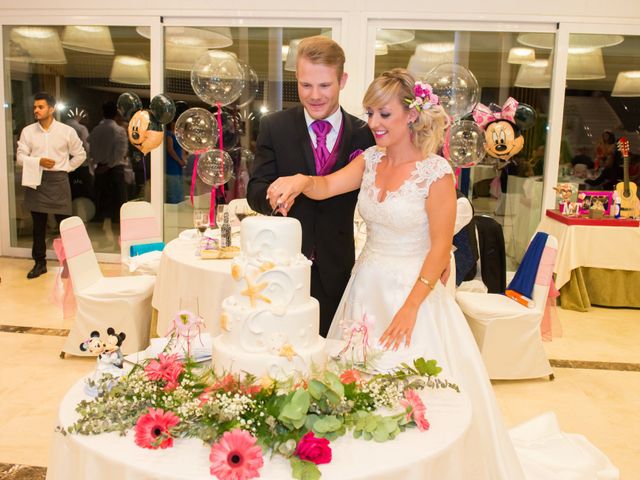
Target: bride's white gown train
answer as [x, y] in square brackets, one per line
[397, 243]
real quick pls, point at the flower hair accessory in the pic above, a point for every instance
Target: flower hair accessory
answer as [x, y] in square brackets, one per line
[424, 97]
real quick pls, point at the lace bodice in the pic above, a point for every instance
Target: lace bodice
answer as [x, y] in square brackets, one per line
[398, 227]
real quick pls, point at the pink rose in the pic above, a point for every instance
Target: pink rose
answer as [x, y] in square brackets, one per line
[314, 449]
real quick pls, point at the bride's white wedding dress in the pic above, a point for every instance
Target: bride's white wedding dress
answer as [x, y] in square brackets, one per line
[397, 243]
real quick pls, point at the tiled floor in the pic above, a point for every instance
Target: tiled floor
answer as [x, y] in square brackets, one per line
[595, 392]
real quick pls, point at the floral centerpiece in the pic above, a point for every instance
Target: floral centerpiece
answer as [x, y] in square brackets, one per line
[243, 417]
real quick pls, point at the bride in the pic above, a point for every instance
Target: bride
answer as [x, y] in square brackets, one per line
[407, 199]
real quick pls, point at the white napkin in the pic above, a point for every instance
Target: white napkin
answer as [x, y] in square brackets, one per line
[146, 263]
[31, 172]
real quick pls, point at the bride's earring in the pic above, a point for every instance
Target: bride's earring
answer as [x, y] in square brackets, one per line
[411, 126]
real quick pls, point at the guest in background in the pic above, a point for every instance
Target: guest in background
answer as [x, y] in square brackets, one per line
[604, 149]
[47, 151]
[109, 144]
[175, 160]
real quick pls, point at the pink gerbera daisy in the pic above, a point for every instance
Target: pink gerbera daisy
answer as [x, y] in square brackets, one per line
[153, 429]
[167, 368]
[415, 409]
[236, 456]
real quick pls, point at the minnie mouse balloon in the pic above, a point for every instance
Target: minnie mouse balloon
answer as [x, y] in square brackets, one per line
[215, 167]
[466, 144]
[196, 129]
[217, 77]
[456, 87]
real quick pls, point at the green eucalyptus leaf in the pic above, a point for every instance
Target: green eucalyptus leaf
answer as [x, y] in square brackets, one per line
[332, 397]
[316, 389]
[303, 469]
[333, 383]
[380, 435]
[294, 411]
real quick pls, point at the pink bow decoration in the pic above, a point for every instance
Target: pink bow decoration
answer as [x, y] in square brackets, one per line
[484, 115]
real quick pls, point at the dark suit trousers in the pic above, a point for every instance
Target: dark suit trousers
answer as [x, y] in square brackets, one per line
[39, 248]
[328, 303]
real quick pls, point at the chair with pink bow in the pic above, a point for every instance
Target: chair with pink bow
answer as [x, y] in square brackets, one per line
[138, 225]
[123, 303]
[509, 335]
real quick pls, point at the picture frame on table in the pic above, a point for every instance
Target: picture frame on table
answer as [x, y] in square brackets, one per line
[591, 196]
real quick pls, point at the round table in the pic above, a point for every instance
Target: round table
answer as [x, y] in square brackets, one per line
[186, 281]
[437, 453]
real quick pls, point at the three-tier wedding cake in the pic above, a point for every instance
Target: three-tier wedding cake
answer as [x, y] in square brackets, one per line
[270, 325]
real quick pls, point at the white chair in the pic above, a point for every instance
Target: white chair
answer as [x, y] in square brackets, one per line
[123, 303]
[508, 334]
[138, 225]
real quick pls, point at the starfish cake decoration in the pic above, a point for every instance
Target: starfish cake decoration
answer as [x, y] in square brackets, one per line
[253, 292]
[287, 351]
[266, 266]
[236, 272]
[224, 321]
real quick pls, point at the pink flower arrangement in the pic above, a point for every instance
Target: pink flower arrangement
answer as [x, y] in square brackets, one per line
[313, 449]
[350, 376]
[153, 429]
[236, 456]
[230, 383]
[415, 409]
[423, 97]
[167, 368]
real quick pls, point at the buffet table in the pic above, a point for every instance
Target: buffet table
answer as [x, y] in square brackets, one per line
[437, 453]
[184, 279]
[598, 262]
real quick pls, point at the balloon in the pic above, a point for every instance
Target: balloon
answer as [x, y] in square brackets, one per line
[456, 87]
[525, 116]
[128, 104]
[251, 85]
[244, 158]
[196, 129]
[231, 127]
[144, 132]
[163, 108]
[215, 167]
[466, 144]
[217, 77]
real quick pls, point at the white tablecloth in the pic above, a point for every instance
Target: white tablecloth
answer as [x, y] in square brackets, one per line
[592, 246]
[437, 453]
[184, 277]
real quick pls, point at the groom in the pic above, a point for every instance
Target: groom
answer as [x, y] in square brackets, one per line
[315, 138]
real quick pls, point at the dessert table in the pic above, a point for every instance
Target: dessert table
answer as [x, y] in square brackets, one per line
[184, 278]
[437, 453]
[598, 261]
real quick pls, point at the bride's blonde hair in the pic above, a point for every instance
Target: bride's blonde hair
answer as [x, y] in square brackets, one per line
[428, 129]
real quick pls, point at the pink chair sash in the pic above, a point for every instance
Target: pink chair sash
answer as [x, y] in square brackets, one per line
[62, 293]
[76, 241]
[550, 325]
[139, 228]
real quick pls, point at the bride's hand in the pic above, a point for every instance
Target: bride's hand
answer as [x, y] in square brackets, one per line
[400, 329]
[283, 191]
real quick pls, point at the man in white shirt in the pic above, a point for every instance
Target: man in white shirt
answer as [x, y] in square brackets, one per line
[47, 151]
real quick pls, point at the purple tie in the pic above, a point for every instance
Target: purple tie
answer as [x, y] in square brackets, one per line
[321, 128]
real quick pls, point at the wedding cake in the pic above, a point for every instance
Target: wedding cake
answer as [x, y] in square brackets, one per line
[269, 326]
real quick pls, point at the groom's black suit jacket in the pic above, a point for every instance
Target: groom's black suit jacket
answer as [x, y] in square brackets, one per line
[284, 148]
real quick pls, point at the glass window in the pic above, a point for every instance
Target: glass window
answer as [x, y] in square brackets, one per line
[267, 57]
[602, 105]
[86, 68]
[504, 66]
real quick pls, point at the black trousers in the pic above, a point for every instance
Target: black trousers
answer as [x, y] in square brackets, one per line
[39, 248]
[328, 303]
[110, 192]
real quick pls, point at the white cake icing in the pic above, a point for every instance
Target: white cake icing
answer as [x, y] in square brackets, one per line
[270, 325]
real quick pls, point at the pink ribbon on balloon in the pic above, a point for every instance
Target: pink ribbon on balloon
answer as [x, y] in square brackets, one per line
[484, 115]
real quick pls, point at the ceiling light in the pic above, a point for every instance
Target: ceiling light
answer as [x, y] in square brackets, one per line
[88, 38]
[521, 55]
[130, 70]
[627, 84]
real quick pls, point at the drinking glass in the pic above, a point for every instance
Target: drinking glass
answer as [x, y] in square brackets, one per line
[201, 220]
[220, 209]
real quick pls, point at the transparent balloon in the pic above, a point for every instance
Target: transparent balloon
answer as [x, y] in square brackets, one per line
[217, 77]
[196, 129]
[466, 144]
[251, 85]
[242, 157]
[215, 167]
[456, 87]
[231, 126]
[162, 108]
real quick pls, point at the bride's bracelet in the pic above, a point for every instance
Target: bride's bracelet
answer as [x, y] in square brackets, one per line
[426, 282]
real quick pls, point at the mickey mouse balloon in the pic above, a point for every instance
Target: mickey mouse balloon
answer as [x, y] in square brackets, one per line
[145, 126]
